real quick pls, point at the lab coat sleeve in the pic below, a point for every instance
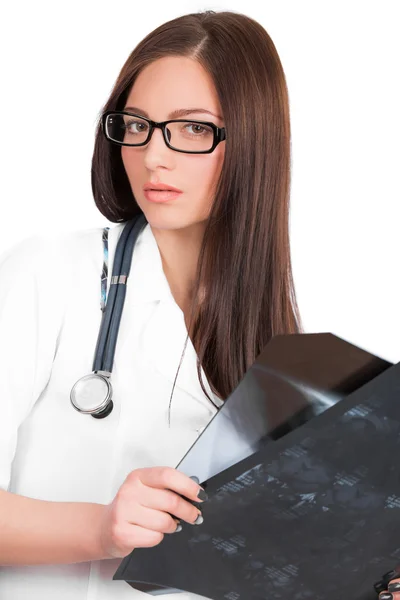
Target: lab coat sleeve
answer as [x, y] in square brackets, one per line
[30, 313]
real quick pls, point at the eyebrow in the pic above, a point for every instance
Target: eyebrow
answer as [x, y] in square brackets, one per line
[175, 114]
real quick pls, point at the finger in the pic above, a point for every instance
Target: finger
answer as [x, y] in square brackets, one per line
[168, 502]
[170, 479]
[154, 520]
[394, 587]
[389, 595]
[202, 495]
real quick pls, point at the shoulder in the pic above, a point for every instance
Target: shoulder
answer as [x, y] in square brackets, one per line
[57, 250]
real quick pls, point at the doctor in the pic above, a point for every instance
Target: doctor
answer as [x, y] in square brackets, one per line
[210, 281]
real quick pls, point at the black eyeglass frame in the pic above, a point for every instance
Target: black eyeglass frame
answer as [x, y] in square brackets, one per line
[219, 132]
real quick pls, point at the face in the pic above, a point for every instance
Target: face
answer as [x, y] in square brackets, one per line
[168, 84]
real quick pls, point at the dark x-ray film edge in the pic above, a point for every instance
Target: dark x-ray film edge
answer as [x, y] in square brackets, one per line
[358, 368]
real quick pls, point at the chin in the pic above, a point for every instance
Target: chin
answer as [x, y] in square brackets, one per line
[170, 224]
[170, 220]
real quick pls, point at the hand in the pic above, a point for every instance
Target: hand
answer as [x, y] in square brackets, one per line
[144, 508]
[391, 581]
[393, 591]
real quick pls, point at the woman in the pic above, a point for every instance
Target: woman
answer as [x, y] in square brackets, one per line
[210, 284]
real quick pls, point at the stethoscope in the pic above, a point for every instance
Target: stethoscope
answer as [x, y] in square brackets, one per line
[92, 394]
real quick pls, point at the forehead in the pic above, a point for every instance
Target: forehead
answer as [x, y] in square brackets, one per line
[170, 83]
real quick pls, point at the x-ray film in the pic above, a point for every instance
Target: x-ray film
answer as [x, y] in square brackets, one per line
[311, 515]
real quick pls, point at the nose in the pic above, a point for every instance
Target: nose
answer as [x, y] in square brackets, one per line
[157, 152]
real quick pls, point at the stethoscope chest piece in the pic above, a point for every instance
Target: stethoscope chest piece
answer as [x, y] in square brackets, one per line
[92, 395]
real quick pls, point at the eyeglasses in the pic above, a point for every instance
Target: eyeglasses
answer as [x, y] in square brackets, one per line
[191, 137]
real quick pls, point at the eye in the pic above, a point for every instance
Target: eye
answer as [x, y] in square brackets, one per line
[134, 126]
[198, 129]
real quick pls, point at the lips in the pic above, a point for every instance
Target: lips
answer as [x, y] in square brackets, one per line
[154, 195]
[160, 187]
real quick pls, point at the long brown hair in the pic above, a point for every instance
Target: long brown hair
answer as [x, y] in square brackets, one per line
[244, 264]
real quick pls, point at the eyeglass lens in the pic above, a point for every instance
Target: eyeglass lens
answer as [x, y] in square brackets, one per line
[184, 135]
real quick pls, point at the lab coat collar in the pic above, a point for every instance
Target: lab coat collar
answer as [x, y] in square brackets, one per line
[147, 281]
[166, 332]
[166, 335]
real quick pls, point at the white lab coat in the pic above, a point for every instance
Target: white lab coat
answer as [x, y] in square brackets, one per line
[49, 321]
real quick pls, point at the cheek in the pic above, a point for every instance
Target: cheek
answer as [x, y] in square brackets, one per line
[135, 171]
[203, 182]
[131, 163]
[205, 171]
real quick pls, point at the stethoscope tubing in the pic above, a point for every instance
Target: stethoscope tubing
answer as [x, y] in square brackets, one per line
[108, 334]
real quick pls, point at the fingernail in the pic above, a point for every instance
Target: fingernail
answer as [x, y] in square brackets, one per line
[178, 528]
[202, 495]
[394, 587]
[199, 520]
[386, 596]
[195, 479]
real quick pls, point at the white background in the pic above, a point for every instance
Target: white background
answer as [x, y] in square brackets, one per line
[59, 62]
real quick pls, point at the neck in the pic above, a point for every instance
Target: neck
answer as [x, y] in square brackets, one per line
[179, 250]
